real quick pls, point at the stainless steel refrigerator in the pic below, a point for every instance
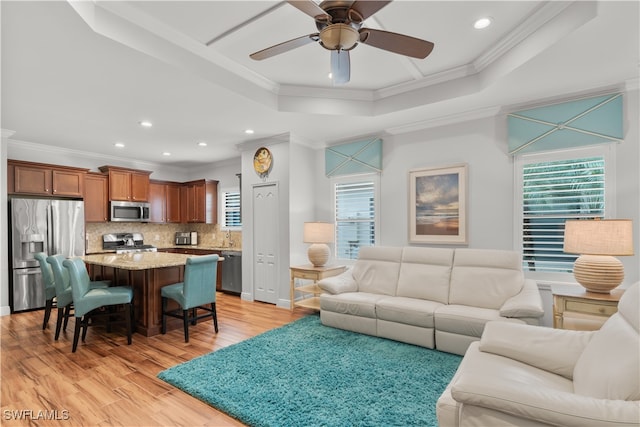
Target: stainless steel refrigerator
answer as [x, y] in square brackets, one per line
[41, 225]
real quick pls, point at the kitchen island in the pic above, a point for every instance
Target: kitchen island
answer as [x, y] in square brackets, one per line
[146, 273]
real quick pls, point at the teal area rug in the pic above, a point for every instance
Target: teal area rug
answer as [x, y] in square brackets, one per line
[307, 374]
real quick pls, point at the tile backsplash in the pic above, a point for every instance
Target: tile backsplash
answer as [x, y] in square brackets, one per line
[162, 235]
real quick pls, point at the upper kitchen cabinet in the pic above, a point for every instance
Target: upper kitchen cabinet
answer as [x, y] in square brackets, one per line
[96, 198]
[164, 197]
[200, 201]
[44, 180]
[128, 185]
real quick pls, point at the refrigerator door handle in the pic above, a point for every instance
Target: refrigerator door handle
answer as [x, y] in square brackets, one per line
[50, 230]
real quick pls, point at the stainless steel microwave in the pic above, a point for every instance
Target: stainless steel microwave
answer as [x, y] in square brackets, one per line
[129, 211]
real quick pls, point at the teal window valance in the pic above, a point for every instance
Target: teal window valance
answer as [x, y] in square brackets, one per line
[567, 125]
[354, 158]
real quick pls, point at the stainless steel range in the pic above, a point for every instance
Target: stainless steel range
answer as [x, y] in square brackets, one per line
[126, 242]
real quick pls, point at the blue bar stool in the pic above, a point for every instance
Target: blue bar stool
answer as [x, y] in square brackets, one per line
[197, 290]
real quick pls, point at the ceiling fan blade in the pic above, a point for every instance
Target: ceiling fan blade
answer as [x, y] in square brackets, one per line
[366, 8]
[340, 67]
[310, 8]
[397, 43]
[284, 47]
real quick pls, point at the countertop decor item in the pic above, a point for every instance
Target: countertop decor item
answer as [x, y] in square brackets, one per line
[598, 242]
[318, 234]
[262, 162]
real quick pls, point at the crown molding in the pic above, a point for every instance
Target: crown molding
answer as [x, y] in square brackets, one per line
[134, 28]
[254, 144]
[138, 164]
[465, 116]
[541, 16]
[6, 133]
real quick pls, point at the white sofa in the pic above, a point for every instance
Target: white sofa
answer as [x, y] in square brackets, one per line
[433, 297]
[521, 375]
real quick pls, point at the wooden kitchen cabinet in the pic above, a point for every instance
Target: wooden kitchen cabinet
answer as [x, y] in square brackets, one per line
[200, 201]
[96, 198]
[128, 185]
[158, 201]
[164, 197]
[44, 179]
[173, 203]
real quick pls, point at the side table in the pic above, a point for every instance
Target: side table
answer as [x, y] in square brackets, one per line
[309, 272]
[576, 299]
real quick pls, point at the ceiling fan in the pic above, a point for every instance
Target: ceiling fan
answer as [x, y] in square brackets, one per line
[340, 29]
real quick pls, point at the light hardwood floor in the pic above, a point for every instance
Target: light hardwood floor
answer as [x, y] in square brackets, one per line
[108, 383]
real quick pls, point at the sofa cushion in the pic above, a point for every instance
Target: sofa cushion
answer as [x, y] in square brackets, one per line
[425, 273]
[485, 278]
[609, 367]
[465, 320]
[377, 269]
[410, 311]
[361, 304]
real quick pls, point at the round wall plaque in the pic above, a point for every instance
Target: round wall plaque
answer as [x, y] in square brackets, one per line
[262, 161]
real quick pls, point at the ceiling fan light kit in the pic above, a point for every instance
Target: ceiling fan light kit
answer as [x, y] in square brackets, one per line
[339, 36]
[340, 29]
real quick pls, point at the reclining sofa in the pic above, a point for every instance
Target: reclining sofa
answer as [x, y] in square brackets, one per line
[432, 297]
[520, 375]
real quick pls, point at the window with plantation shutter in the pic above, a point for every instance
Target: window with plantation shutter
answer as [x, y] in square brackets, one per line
[355, 217]
[231, 209]
[553, 191]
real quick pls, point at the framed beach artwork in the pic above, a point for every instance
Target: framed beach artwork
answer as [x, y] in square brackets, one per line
[438, 205]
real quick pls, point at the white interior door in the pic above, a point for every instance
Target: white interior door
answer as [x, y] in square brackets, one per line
[265, 242]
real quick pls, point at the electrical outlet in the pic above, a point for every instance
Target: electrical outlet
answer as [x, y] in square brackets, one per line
[157, 237]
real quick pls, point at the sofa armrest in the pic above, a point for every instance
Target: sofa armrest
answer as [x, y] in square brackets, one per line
[543, 404]
[343, 282]
[527, 303]
[552, 350]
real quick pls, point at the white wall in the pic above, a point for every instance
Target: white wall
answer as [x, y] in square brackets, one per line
[279, 147]
[490, 187]
[628, 180]
[5, 308]
[302, 199]
[223, 171]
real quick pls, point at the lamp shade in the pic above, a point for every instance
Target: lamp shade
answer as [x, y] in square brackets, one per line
[597, 242]
[318, 232]
[613, 237]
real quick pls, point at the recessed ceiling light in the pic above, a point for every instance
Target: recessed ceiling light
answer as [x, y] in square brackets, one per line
[119, 145]
[249, 131]
[166, 153]
[202, 144]
[330, 75]
[482, 23]
[145, 123]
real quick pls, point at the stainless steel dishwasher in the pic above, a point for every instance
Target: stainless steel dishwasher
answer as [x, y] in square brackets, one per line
[232, 272]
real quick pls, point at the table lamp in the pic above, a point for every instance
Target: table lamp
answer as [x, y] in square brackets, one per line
[597, 242]
[318, 234]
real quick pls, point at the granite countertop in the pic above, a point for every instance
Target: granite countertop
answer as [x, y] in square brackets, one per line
[201, 247]
[137, 260]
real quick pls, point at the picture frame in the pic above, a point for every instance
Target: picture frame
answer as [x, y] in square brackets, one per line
[438, 205]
